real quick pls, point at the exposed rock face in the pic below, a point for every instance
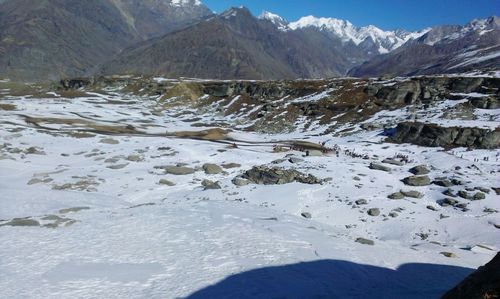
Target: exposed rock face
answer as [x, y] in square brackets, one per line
[485, 102]
[277, 176]
[448, 137]
[483, 284]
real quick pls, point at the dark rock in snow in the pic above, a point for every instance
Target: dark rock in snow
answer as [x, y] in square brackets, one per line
[483, 283]
[238, 181]
[417, 180]
[210, 185]
[364, 241]
[447, 202]
[393, 162]
[376, 166]
[397, 195]
[212, 168]
[306, 215]
[420, 170]
[443, 182]
[485, 103]
[22, 222]
[464, 194]
[412, 194]
[448, 137]
[361, 202]
[178, 170]
[479, 196]
[264, 175]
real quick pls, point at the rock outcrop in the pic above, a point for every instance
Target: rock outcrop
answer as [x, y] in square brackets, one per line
[482, 284]
[448, 137]
[263, 175]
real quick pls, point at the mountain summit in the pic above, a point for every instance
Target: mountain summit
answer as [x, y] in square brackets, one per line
[371, 38]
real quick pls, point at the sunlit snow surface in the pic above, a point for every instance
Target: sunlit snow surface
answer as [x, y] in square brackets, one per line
[136, 238]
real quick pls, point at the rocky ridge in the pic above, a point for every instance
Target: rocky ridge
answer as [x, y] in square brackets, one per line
[279, 106]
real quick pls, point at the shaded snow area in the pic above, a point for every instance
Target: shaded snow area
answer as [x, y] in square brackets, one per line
[98, 202]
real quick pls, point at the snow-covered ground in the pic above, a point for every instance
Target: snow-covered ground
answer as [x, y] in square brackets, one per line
[95, 220]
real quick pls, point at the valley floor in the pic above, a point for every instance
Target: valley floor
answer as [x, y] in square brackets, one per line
[96, 214]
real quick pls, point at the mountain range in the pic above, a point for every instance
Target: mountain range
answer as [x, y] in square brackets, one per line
[50, 39]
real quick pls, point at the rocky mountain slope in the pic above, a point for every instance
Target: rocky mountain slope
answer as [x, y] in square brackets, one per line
[443, 49]
[50, 39]
[236, 44]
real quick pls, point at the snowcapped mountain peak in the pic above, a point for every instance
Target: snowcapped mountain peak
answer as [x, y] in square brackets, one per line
[267, 15]
[342, 28]
[385, 41]
[180, 3]
[277, 20]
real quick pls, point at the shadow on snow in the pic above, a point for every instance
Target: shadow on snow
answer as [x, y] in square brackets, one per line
[338, 279]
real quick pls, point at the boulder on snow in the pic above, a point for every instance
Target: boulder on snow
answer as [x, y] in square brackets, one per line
[211, 168]
[412, 194]
[396, 196]
[417, 180]
[306, 215]
[264, 175]
[240, 182]
[21, 222]
[364, 241]
[420, 170]
[210, 185]
[178, 170]
[361, 202]
[376, 166]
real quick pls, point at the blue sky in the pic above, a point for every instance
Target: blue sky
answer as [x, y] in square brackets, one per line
[386, 14]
